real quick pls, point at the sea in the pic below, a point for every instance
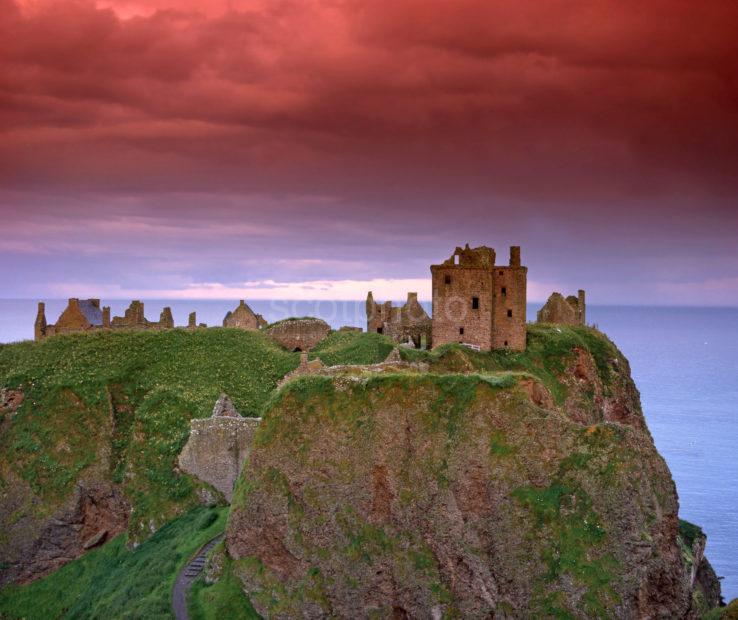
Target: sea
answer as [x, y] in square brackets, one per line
[684, 362]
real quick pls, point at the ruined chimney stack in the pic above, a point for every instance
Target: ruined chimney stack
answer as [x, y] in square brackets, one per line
[515, 256]
[582, 307]
[106, 316]
[39, 327]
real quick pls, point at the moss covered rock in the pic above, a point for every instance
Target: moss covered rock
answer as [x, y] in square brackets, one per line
[460, 495]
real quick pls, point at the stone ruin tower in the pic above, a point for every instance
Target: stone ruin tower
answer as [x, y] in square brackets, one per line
[478, 303]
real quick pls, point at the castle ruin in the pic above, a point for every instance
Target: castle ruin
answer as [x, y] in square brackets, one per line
[408, 323]
[566, 311]
[82, 315]
[479, 303]
[243, 317]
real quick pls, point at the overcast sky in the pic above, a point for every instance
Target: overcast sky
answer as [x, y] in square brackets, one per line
[319, 148]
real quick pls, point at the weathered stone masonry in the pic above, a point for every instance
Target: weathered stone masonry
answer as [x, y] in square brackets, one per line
[479, 303]
[569, 311]
[83, 315]
[408, 323]
[243, 317]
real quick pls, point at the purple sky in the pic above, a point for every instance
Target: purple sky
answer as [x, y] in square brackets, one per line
[317, 149]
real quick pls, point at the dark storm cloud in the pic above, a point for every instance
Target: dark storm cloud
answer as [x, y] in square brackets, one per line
[380, 133]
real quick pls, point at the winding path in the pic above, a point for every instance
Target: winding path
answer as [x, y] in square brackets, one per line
[187, 575]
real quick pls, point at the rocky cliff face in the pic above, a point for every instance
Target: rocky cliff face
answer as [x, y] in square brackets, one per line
[465, 494]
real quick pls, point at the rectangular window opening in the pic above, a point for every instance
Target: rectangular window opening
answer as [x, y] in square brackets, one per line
[447, 280]
[379, 330]
[509, 313]
[475, 303]
[461, 331]
[504, 291]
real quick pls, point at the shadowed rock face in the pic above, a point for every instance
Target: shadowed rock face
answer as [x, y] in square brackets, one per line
[95, 513]
[426, 495]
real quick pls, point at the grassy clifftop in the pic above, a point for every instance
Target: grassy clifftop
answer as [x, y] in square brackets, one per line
[115, 407]
[521, 445]
[450, 494]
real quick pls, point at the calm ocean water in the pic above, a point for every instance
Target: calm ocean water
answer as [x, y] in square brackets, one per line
[684, 361]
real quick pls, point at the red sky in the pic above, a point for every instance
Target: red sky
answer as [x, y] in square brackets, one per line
[151, 148]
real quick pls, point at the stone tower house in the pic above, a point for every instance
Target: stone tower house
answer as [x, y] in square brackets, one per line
[479, 303]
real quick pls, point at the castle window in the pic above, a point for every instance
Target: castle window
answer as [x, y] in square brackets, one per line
[509, 313]
[461, 331]
[505, 342]
[379, 330]
[475, 303]
[502, 273]
[447, 280]
[504, 291]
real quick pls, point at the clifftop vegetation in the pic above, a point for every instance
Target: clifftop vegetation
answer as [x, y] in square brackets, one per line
[113, 409]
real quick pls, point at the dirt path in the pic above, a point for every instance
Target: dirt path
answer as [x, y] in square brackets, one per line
[186, 576]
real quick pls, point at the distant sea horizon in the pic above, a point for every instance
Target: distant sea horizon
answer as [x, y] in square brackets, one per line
[684, 362]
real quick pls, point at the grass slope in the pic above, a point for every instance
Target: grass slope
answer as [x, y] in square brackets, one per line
[222, 599]
[136, 392]
[114, 582]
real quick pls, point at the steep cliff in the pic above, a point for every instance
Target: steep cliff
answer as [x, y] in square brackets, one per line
[91, 426]
[518, 485]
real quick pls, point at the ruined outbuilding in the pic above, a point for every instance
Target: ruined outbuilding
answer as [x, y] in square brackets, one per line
[218, 446]
[565, 311]
[83, 315]
[243, 317]
[479, 303]
[134, 318]
[299, 334]
[407, 323]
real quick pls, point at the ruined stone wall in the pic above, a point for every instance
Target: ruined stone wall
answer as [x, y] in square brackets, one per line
[134, 318]
[407, 323]
[217, 449]
[299, 334]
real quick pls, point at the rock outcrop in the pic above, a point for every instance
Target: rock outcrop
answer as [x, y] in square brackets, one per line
[37, 545]
[218, 446]
[475, 495]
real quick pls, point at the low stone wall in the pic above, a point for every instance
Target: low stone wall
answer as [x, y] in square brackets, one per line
[217, 449]
[299, 334]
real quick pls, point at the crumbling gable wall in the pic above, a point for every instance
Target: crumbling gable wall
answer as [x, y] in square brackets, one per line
[218, 446]
[299, 334]
[243, 317]
[479, 303]
[407, 323]
[79, 315]
[569, 311]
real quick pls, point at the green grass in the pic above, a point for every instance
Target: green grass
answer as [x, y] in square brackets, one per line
[138, 391]
[689, 532]
[222, 600]
[115, 582]
[353, 348]
[290, 318]
[549, 349]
